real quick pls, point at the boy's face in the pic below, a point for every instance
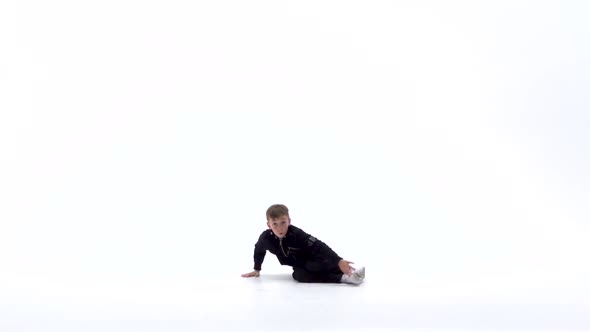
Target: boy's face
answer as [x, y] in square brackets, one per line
[279, 225]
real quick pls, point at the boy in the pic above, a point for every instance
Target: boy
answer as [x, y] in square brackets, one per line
[311, 259]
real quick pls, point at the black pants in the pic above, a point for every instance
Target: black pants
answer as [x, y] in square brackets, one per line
[315, 271]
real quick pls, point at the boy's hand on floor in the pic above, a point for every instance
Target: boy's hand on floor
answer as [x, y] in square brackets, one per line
[345, 267]
[251, 274]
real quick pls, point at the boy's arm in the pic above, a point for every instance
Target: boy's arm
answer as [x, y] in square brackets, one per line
[318, 248]
[259, 253]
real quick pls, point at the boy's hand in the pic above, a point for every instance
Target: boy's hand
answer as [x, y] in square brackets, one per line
[345, 267]
[251, 274]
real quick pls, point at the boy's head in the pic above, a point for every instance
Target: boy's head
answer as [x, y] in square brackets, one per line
[278, 220]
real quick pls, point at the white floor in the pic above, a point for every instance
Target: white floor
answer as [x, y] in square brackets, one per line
[273, 302]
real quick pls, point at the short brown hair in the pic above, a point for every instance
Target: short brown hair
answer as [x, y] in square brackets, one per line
[276, 211]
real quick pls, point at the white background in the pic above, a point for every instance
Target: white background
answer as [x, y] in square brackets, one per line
[444, 145]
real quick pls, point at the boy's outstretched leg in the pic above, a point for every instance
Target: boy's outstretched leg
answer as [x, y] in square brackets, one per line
[320, 271]
[303, 275]
[333, 276]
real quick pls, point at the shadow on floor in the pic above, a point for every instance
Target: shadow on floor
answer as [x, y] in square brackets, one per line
[277, 277]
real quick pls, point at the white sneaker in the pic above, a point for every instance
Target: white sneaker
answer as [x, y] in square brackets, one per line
[351, 279]
[360, 273]
[356, 278]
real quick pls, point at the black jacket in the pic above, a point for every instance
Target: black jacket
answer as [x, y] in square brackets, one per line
[295, 249]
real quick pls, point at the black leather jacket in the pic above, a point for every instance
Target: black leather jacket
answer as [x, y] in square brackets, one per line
[295, 249]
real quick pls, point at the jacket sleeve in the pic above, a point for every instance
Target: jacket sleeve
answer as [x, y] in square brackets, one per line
[318, 249]
[259, 252]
